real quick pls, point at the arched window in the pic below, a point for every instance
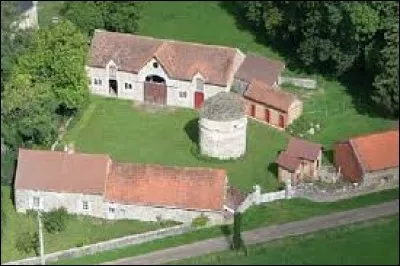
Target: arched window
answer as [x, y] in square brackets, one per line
[155, 79]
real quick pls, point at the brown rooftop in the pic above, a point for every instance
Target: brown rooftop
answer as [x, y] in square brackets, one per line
[181, 60]
[61, 172]
[288, 162]
[303, 149]
[167, 186]
[263, 93]
[260, 68]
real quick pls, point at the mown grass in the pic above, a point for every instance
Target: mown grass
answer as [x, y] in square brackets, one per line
[374, 243]
[276, 212]
[80, 230]
[130, 134]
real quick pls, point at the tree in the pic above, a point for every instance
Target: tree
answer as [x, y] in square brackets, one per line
[55, 221]
[238, 243]
[109, 15]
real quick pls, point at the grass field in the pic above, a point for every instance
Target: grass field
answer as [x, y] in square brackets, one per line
[80, 230]
[368, 243]
[131, 135]
[276, 212]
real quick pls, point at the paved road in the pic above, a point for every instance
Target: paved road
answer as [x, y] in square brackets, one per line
[265, 234]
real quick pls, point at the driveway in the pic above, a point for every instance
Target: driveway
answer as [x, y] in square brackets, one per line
[262, 235]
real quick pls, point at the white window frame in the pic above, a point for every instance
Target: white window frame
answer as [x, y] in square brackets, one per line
[182, 94]
[111, 208]
[87, 205]
[128, 86]
[34, 202]
[199, 81]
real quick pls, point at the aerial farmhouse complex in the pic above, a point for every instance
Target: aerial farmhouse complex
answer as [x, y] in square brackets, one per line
[184, 74]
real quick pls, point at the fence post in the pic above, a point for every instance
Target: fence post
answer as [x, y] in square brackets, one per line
[257, 194]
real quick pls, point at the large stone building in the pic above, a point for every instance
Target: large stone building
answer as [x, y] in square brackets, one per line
[223, 126]
[369, 159]
[28, 14]
[159, 71]
[94, 185]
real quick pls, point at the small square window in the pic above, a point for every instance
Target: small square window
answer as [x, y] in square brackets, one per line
[155, 64]
[36, 201]
[95, 81]
[111, 210]
[130, 86]
[85, 205]
[182, 94]
[100, 82]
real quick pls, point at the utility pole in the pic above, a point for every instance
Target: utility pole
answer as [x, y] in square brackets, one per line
[42, 261]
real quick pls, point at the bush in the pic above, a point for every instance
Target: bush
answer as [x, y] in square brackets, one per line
[200, 220]
[27, 241]
[55, 221]
[281, 186]
[300, 126]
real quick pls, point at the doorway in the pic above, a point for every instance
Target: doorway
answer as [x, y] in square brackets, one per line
[198, 99]
[113, 87]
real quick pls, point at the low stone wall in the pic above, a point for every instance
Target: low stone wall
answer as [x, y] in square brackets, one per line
[106, 245]
[301, 82]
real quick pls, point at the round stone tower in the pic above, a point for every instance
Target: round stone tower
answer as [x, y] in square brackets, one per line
[223, 125]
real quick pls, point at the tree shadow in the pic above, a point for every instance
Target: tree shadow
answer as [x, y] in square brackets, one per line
[328, 154]
[226, 231]
[192, 130]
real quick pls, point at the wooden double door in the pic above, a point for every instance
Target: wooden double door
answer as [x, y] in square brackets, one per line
[155, 93]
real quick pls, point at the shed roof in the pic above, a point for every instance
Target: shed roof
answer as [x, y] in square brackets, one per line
[260, 68]
[224, 106]
[263, 93]
[288, 162]
[61, 172]
[303, 149]
[167, 186]
[378, 151]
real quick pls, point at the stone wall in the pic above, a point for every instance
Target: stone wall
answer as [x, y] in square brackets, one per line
[300, 82]
[150, 213]
[73, 202]
[223, 139]
[381, 177]
[106, 245]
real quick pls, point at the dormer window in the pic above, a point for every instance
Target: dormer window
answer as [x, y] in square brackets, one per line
[155, 65]
[112, 71]
[199, 84]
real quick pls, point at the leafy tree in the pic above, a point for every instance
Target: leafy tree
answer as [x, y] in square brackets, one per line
[109, 15]
[27, 241]
[55, 221]
[238, 243]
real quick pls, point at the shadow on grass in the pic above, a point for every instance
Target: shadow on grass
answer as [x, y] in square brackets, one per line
[192, 130]
[226, 231]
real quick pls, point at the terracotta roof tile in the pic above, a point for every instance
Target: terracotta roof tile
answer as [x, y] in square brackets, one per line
[260, 68]
[181, 60]
[378, 151]
[61, 172]
[300, 148]
[234, 198]
[168, 186]
[288, 162]
[263, 93]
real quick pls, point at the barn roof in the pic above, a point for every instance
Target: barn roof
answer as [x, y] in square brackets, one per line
[377, 151]
[61, 172]
[263, 93]
[181, 60]
[260, 68]
[224, 106]
[167, 186]
[303, 149]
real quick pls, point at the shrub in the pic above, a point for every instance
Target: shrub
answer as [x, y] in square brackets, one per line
[27, 241]
[55, 221]
[281, 186]
[200, 220]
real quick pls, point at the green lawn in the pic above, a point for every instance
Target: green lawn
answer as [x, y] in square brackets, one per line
[80, 230]
[131, 135]
[276, 212]
[373, 243]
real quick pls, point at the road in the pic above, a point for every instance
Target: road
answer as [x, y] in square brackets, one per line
[261, 235]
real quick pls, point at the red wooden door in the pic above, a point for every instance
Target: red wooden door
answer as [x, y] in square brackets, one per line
[253, 110]
[155, 93]
[266, 115]
[281, 121]
[198, 99]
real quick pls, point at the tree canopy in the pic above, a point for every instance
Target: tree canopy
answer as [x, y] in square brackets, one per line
[334, 37]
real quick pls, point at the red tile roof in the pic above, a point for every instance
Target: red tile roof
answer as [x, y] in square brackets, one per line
[181, 60]
[61, 172]
[378, 151]
[288, 162]
[234, 198]
[157, 185]
[260, 68]
[303, 149]
[263, 93]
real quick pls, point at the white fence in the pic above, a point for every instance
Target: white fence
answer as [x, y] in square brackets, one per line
[106, 245]
[301, 82]
[256, 198]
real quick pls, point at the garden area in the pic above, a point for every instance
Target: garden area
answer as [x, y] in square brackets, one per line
[18, 233]
[373, 242]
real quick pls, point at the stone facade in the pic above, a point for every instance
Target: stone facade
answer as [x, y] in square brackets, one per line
[180, 93]
[223, 139]
[97, 207]
[381, 176]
